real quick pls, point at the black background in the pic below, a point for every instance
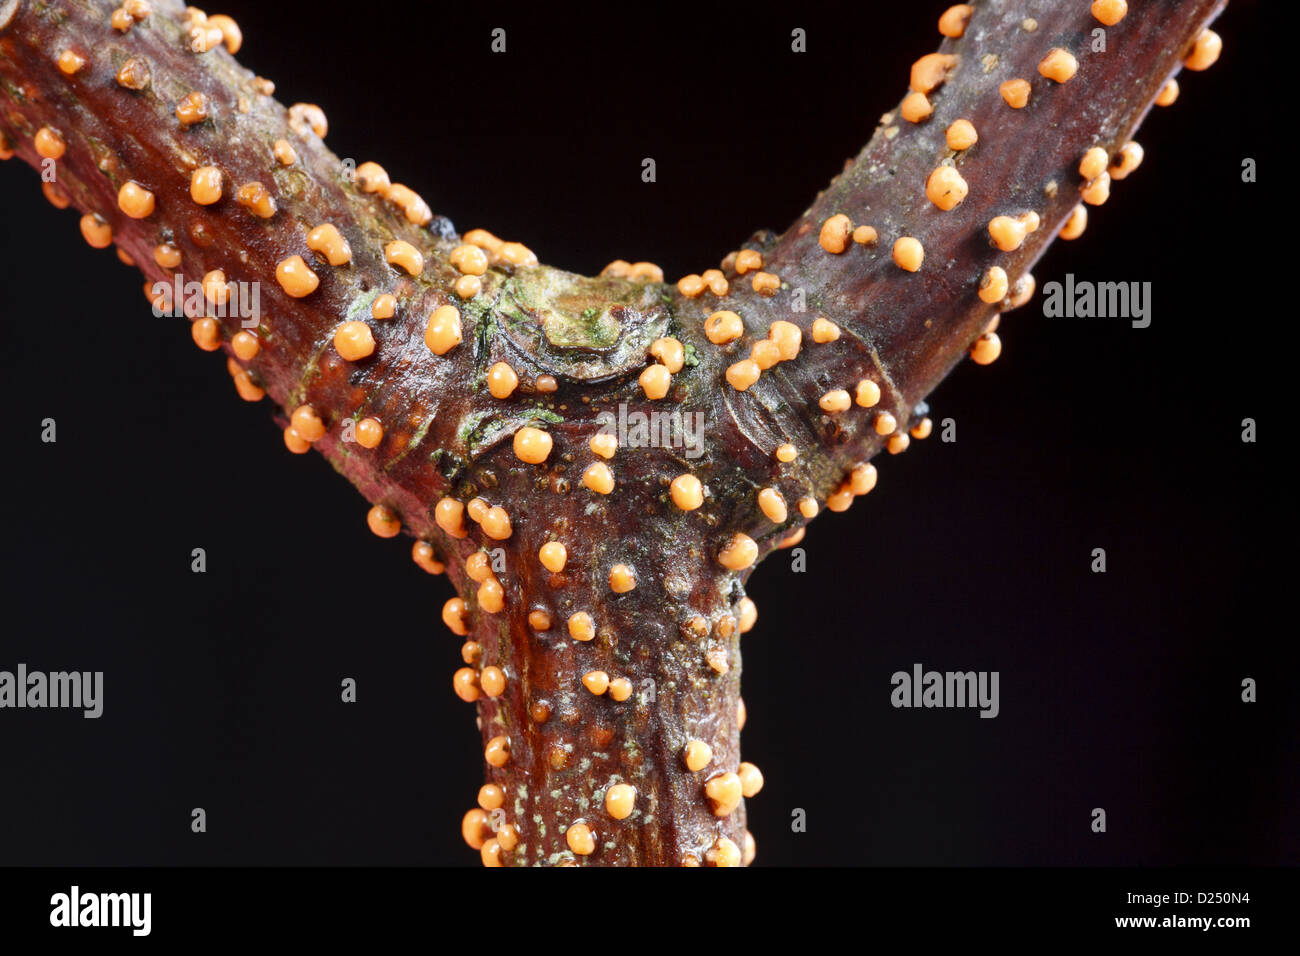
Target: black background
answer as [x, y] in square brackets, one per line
[1119, 690]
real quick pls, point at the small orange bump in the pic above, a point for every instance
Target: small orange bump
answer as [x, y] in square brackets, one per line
[1126, 160]
[621, 579]
[70, 62]
[465, 683]
[787, 338]
[1007, 233]
[835, 401]
[931, 71]
[655, 381]
[743, 374]
[405, 256]
[453, 615]
[1097, 191]
[1015, 93]
[258, 200]
[449, 514]
[539, 620]
[697, 755]
[840, 500]
[284, 153]
[808, 507]
[206, 333]
[532, 445]
[865, 235]
[834, 236]
[772, 505]
[908, 253]
[49, 144]
[723, 327]
[915, 107]
[166, 255]
[986, 348]
[1074, 226]
[295, 278]
[748, 260]
[786, 453]
[383, 521]
[945, 187]
[354, 341]
[765, 353]
[724, 793]
[497, 751]
[492, 680]
[740, 552]
[952, 22]
[620, 801]
[97, 233]
[620, 689]
[384, 306]
[475, 828]
[751, 779]
[961, 135]
[442, 333]
[1058, 65]
[885, 423]
[134, 200]
[898, 443]
[245, 345]
[295, 442]
[580, 839]
[598, 478]
[993, 285]
[824, 330]
[581, 627]
[1093, 163]
[670, 352]
[307, 423]
[724, 852]
[491, 596]
[596, 681]
[328, 241]
[862, 478]
[502, 380]
[1205, 51]
[422, 555]
[553, 555]
[1109, 12]
[466, 287]
[603, 444]
[496, 523]
[192, 109]
[1168, 93]
[922, 429]
[205, 185]
[686, 492]
[469, 259]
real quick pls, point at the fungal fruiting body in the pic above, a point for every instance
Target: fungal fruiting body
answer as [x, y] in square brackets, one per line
[601, 593]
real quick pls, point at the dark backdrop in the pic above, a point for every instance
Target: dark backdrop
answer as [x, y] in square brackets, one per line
[1118, 690]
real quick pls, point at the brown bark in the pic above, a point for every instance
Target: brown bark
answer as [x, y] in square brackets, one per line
[447, 437]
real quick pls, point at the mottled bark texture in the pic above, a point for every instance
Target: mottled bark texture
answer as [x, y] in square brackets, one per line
[445, 436]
